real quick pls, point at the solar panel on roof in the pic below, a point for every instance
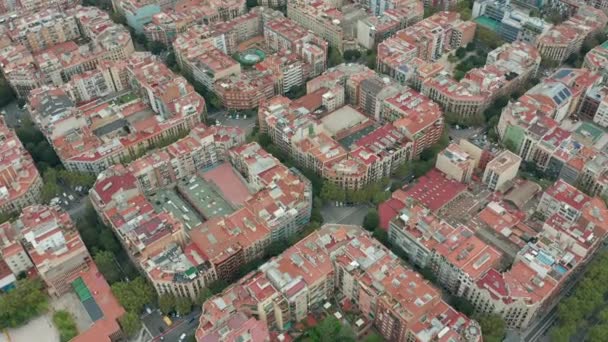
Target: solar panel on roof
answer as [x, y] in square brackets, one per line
[93, 309]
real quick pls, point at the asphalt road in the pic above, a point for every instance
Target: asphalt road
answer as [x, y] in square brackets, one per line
[463, 133]
[12, 114]
[224, 119]
[344, 215]
[161, 332]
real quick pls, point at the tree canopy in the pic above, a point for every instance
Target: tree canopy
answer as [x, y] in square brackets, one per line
[26, 301]
[133, 295]
[585, 306]
[6, 93]
[64, 321]
[329, 330]
[130, 323]
[107, 266]
[371, 220]
[183, 305]
[493, 327]
[166, 303]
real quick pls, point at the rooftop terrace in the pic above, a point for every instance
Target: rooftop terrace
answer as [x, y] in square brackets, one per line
[169, 200]
[205, 197]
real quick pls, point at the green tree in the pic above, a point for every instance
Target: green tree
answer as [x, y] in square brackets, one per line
[6, 93]
[599, 333]
[133, 295]
[203, 295]
[374, 337]
[25, 301]
[251, 3]
[156, 47]
[488, 38]
[461, 52]
[36, 144]
[64, 321]
[462, 305]
[493, 327]
[107, 266]
[352, 55]
[458, 74]
[331, 192]
[335, 57]
[430, 10]
[371, 220]
[183, 305]
[370, 59]
[327, 330]
[130, 323]
[555, 17]
[108, 241]
[166, 303]
[403, 170]
[172, 62]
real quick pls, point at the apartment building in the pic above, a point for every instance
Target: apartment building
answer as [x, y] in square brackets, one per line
[428, 40]
[202, 148]
[416, 116]
[92, 136]
[455, 254]
[507, 67]
[542, 267]
[49, 54]
[183, 231]
[597, 59]
[456, 163]
[371, 31]
[41, 30]
[12, 251]
[333, 23]
[54, 246]
[237, 326]
[347, 261]
[20, 181]
[107, 78]
[564, 199]
[38, 5]
[531, 124]
[501, 170]
[232, 241]
[365, 154]
[382, 151]
[246, 90]
[511, 23]
[560, 42]
[140, 13]
[285, 34]
[165, 27]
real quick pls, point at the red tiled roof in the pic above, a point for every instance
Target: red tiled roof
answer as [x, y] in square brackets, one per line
[434, 190]
[112, 310]
[388, 210]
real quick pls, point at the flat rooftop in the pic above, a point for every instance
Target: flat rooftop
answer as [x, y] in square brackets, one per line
[205, 197]
[170, 201]
[230, 183]
[342, 119]
[434, 190]
[350, 139]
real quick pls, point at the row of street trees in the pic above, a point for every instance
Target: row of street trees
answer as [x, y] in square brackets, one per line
[584, 315]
